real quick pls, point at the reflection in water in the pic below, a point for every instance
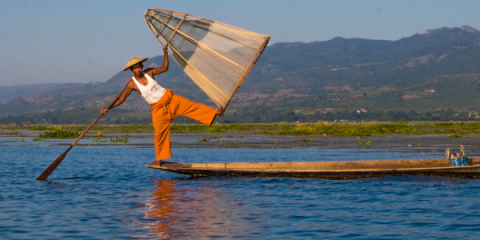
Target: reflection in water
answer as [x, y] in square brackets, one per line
[177, 209]
[160, 207]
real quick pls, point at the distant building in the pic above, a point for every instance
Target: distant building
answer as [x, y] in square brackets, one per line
[362, 110]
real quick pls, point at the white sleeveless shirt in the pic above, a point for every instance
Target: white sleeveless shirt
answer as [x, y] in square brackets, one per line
[152, 92]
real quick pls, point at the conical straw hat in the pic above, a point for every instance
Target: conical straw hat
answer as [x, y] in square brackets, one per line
[133, 61]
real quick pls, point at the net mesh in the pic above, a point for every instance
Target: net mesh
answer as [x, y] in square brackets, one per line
[216, 56]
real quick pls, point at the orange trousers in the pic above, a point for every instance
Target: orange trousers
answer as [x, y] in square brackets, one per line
[166, 110]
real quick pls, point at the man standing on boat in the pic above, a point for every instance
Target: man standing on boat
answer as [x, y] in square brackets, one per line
[166, 105]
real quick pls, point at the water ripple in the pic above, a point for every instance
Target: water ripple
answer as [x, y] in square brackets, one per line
[107, 192]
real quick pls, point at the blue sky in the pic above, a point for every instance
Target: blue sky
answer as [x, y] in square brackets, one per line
[46, 41]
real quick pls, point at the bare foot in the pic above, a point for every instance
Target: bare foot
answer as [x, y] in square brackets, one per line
[220, 111]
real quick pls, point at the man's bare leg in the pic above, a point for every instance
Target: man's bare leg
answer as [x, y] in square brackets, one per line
[220, 111]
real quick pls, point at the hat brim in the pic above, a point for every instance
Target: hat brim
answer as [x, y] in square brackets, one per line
[133, 62]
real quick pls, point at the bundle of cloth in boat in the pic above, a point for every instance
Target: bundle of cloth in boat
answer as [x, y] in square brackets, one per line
[457, 159]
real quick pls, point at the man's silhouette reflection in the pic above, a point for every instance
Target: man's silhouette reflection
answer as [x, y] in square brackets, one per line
[180, 208]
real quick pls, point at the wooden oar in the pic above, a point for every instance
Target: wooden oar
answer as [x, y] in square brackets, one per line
[46, 173]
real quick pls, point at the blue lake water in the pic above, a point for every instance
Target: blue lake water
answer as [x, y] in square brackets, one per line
[106, 192]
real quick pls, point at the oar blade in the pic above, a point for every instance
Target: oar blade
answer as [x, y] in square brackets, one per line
[46, 173]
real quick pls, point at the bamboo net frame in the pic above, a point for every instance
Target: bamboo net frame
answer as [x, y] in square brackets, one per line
[218, 57]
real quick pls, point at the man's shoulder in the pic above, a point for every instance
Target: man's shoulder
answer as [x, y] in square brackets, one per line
[149, 72]
[131, 83]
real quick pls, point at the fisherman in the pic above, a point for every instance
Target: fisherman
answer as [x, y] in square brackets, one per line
[166, 105]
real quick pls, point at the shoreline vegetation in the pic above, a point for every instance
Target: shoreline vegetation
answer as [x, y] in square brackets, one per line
[348, 129]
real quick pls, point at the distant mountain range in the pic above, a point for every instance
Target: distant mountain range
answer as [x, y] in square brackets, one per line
[438, 69]
[8, 93]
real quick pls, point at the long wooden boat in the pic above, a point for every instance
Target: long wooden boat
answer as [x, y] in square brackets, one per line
[326, 170]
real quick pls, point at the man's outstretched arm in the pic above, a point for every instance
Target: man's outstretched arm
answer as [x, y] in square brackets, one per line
[125, 93]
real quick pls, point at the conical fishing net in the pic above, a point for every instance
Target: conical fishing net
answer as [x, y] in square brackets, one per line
[216, 56]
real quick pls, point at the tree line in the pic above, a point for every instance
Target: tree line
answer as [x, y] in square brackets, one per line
[253, 115]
